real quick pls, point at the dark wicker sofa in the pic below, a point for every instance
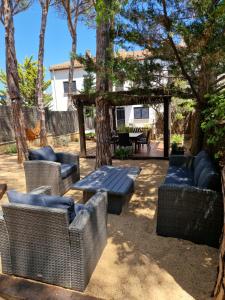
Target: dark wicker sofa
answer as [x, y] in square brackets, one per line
[190, 202]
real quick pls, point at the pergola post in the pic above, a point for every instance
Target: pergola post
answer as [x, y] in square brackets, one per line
[166, 125]
[81, 124]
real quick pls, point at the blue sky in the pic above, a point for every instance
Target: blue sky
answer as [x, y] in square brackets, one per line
[57, 41]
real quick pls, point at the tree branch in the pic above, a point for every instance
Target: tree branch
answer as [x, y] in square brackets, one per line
[167, 26]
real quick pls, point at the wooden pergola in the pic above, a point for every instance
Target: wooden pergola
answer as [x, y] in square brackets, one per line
[123, 98]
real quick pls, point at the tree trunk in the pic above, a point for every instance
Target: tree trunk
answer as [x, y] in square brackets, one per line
[13, 83]
[103, 151]
[219, 290]
[39, 91]
[71, 71]
[80, 114]
[197, 134]
[103, 56]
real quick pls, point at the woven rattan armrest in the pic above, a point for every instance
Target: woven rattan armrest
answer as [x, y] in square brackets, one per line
[46, 190]
[88, 237]
[40, 172]
[67, 158]
[5, 246]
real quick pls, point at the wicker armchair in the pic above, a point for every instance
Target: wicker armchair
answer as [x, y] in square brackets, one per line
[190, 206]
[44, 172]
[40, 244]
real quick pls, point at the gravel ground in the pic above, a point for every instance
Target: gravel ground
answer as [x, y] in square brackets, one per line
[136, 263]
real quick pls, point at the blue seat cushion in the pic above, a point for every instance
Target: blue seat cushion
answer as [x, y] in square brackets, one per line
[44, 153]
[67, 169]
[44, 201]
[80, 207]
[179, 175]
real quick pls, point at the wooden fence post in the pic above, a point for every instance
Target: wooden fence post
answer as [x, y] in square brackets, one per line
[219, 290]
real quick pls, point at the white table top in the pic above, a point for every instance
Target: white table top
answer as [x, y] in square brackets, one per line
[135, 134]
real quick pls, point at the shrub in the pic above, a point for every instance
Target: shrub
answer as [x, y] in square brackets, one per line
[90, 135]
[61, 141]
[11, 149]
[214, 125]
[123, 152]
[123, 128]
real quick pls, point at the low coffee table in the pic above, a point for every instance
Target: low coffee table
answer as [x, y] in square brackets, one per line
[118, 182]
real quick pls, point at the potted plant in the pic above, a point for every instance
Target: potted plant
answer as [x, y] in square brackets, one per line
[176, 146]
[177, 150]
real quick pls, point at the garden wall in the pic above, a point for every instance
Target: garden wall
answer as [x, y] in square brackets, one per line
[57, 122]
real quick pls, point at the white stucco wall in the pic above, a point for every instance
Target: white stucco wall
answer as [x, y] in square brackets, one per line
[57, 78]
[59, 102]
[131, 121]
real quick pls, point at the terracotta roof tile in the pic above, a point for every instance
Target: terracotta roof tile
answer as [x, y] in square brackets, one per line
[138, 54]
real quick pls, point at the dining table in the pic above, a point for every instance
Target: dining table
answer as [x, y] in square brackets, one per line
[134, 136]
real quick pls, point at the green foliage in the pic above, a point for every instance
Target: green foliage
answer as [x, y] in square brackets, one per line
[90, 135]
[90, 111]
[11, 149]
[214, 124]
[124, 128]
[3, 94]
[131, 128]
[89, 83]
[28, 76]
[193, 28]
[177, 139]
[181, 111]
[181, 107]
[142, 74]
[123, 152]
[107, 9]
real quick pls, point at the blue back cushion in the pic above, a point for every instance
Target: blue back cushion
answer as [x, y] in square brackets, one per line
[209, 179]
[199, 156]
[44, 153]
[44, 201]
[204, 162]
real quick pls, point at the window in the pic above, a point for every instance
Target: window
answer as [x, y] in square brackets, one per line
[66, 87]
[119, 87]
[141, 113]
[120, 111]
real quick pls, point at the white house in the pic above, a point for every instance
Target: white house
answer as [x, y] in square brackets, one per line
[131, 115]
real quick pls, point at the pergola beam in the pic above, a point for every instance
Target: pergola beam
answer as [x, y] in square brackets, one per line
[120, 98]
